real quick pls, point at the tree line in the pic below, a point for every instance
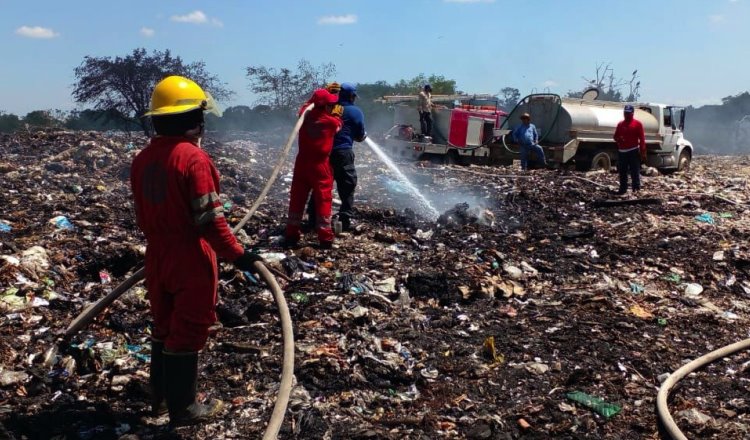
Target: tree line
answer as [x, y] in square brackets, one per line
[117, 92]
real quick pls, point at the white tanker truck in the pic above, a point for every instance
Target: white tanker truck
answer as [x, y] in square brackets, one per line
[572, 132]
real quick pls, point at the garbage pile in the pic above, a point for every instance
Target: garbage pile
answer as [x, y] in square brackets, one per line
[532, 309]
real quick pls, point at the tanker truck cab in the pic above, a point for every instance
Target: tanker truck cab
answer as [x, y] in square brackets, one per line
[671, 151]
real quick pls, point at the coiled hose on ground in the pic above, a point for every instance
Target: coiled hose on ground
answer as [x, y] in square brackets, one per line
[661, 398]
[282, 399]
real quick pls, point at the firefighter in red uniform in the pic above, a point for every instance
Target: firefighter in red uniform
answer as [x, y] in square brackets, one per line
[312, 169]
[175, 189]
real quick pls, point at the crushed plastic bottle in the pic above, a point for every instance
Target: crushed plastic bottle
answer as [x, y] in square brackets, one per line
[300, 297]
[62, 222]
[706, 217]
[607, 410]
[250, 277]
[105, 277]
[273, 257]
[637, 288]
[693, 289]
[8, 378]
[4, 227]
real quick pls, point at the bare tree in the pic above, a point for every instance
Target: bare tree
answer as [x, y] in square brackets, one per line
[123, 85]
[284, 88]
[610, 86]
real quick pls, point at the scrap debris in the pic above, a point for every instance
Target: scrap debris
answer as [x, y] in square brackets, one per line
[465, 328]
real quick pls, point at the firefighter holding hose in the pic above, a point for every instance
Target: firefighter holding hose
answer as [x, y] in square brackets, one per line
[176, 195]
[312, 169]
[342, 155]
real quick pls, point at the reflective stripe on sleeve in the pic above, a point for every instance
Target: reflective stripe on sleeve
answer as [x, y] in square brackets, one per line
[208, 216]
[205, 201]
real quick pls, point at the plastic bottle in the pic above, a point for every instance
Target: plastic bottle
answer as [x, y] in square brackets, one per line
[337, 227]
[596, 404]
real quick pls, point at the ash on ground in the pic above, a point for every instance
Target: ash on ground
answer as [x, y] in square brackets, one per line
[406, 329]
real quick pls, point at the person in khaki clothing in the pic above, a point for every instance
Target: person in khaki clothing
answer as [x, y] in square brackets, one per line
[425, 107]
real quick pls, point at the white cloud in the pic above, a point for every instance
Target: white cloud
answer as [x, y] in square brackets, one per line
[338, 19]
[147, 32]
[36, 32]
[716, 18]
[197, 17]
[550, 83]
[469, 1]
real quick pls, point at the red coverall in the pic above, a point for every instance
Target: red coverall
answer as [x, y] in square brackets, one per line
[312, 172]
[175, 189]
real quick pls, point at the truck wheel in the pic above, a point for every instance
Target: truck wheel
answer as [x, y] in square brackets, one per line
[684, 163]
[601, 161]
[452, 158]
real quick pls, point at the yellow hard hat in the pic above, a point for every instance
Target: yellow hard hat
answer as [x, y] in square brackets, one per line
[177, 94]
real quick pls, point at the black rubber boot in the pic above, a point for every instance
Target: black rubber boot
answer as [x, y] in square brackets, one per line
[181, 378]
[156, 379]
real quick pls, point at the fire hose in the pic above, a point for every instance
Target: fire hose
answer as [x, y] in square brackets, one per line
[518, 107]
[661, 398]
[277, 417]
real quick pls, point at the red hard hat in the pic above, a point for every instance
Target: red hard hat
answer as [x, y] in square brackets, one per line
[323, 97]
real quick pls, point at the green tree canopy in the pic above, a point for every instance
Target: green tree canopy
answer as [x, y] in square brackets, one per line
[440, 85]
[89, 119]
[508, 97]
[42, 119]
[9, 122]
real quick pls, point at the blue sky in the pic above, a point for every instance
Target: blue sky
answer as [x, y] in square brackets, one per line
[686, 51]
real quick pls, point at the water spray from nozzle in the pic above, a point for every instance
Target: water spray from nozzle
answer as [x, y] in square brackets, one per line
[428, 210]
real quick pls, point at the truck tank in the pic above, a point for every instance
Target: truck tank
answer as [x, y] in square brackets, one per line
[559, 120]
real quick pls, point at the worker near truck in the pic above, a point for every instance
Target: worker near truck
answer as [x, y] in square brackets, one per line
[342, 155]
[425, 107]
[527, 136]
[176, 195]
[631, 150]
[312, 169]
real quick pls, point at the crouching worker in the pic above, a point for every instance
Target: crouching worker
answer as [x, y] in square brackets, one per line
[312, 169]
[176, 193]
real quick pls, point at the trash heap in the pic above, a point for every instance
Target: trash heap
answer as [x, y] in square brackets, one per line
[534, 307]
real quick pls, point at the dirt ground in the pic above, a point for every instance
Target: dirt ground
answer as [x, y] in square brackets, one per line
[477, 326]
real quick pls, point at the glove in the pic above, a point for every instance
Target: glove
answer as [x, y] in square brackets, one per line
[246, 260]
[337, 110]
